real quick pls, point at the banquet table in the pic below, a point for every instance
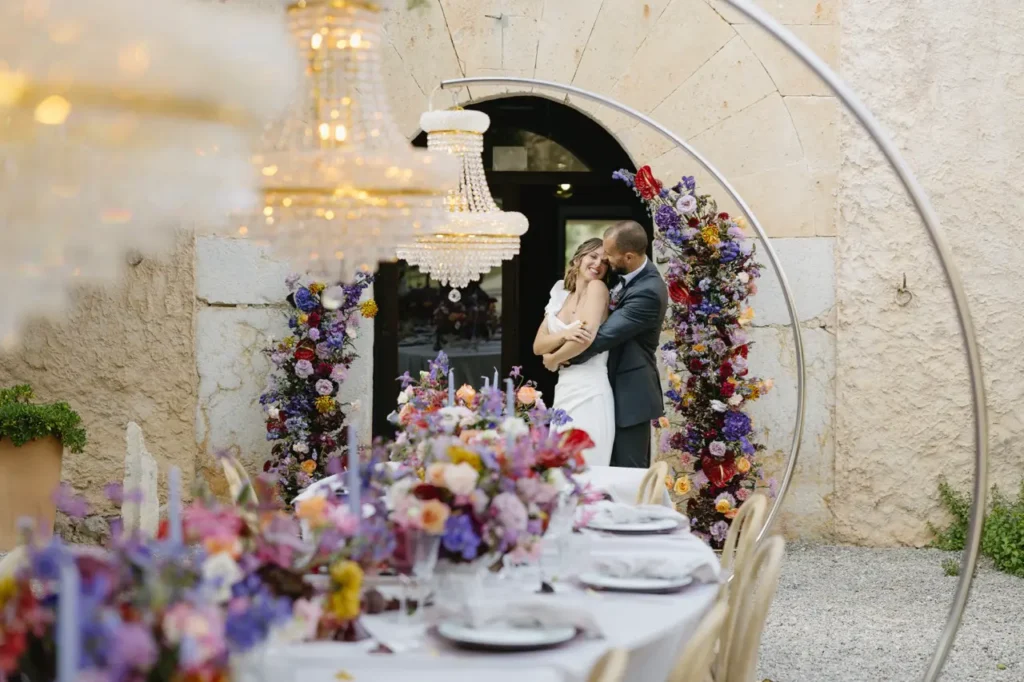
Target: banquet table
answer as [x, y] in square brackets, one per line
[652, 628]
[621, 483]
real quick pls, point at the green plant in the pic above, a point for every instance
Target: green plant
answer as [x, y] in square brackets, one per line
[1002, 538]
[951, 567]
[22, 421]
[417, 3]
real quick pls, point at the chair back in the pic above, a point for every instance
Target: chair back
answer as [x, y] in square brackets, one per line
[653, 484]
[611, 667]
[743, 532]
[238, 480]
[694, 665]
[758, 582]
[12, 561]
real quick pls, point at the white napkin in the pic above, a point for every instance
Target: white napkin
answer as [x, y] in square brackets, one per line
[702, 566]
[617, 513]
[547, 612]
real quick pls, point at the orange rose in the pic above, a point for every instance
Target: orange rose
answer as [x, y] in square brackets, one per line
[743, 465]
[527, 395]
[663, 422]
[433, 516]
[466, 394]
[435, 474]
[309, 466]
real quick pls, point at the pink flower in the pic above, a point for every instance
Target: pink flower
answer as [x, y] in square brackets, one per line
[201, 523]
[199, 629]
[313, 334]
[510, 511]
[303, 369]
[742, 494]
[324, 387]
[343, 519]
[339, 373]
[535, 490]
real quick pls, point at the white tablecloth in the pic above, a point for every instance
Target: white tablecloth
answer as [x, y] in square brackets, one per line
[653, 628]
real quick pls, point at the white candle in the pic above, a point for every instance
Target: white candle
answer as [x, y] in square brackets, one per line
[69, 645]
[174, 506]
[451, 388]
[487, 383]
[352, 481]
[510, 398]
[496, 384]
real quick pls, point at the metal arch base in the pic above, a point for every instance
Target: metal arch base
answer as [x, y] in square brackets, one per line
[794, 318]
[953, 279]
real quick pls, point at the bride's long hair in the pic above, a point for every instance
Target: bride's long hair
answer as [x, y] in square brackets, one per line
[572, 271]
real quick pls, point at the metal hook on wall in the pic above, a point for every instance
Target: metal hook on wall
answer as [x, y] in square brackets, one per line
[904, 295]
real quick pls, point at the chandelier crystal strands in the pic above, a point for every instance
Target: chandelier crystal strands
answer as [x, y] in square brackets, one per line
[342, 187]
[477, 235]
[119, 121]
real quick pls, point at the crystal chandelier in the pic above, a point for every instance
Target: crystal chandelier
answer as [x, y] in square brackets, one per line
[342, 187]
[477, 235]
[119, 121]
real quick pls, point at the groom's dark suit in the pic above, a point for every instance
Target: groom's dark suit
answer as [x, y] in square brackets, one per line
[631, 334]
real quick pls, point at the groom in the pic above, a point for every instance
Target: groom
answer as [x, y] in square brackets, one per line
[631, 334]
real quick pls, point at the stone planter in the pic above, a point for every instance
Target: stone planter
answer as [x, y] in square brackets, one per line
[29, 476]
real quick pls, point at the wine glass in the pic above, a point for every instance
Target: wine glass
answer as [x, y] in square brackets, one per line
[558, 533]
[422, 549]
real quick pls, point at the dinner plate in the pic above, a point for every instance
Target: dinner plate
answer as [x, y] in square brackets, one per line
[504, 637]
[599, 581]
[638, 528]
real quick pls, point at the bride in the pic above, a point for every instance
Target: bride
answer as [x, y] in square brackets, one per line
[578, 306]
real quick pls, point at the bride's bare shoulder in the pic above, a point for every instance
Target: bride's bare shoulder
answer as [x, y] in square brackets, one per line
[597, 288]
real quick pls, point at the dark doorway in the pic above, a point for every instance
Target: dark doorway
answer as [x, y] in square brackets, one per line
[550, 162]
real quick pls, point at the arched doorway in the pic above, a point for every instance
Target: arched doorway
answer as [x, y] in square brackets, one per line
[550, 162]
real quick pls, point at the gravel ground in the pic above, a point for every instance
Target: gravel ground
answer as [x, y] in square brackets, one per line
[850, 614]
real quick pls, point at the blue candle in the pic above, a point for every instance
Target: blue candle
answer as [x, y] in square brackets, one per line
[510, 398]
[451, 388]
[69, 644]
[353, 483]
[174, 506]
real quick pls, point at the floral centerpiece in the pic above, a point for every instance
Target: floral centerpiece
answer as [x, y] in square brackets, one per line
[305, 416]
[709, 441]
[423, 410]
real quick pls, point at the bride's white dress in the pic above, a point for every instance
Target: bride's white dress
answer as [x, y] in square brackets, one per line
[583, 390]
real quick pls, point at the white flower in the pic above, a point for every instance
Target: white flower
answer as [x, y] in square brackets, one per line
[514, 426]
[736, 399]
[540, 403]
[398, 491]
[718, 406]
[461, 478]
[556, 477]
[273, 413]
[455, 416]
[332, 297]
[300, 448]
[743, 277]
[404, 396]
[221, 571]
[351, 333]
[356, 405]
[686, 204]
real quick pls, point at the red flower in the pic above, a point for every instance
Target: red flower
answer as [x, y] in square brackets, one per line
[728, 388]
[718, 471]
[723, 216]
[553, 459]
[695, 365]
[576, 440]
[314, 319]
[162, 530]
[646, 183]
[304, 353]
[693, 222]
[678, 293]
[725, 371]
[324, 369]
[425, 491]
[743, 350]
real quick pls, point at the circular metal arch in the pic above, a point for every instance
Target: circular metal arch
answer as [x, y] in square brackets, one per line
[794, 319]
[955, 282]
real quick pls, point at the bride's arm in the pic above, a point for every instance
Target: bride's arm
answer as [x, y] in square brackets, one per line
[547, 342]
[595, 309]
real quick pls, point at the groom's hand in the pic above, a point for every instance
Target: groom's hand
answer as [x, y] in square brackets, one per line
[549, 363]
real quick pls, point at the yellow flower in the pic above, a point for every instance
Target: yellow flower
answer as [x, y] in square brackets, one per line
[669, 481]
[309, 466]
[343, 602]
[288, 341]
[466, 394]
[688, 399]
[675, 381]
[343, 675]
[746, 316]
[316, 287]
[325, 404]
[663, 422]
[682, 485]
[699, 348]
[710, 235]
[303, 318]
[368, 308]
[743, 465]
[421, 473]
[458, 455]
[8, 588]
[722, 506]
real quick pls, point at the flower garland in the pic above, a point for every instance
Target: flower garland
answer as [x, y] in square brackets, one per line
[711, 272]
[304, 414]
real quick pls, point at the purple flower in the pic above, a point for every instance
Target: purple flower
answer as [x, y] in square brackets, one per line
[736, 425]
[719, 529]
[324, 387]
[728, 252]
[132, 650]
[717, 449]
[686, 204]
[517, 371]
[666, 218]
[304, 369]
[338, 373]
[69, 502]
[249, 624]
[46, 562]
[689, 182]
[305, 301]
[313, 334]
[510, 511]
[460, 537]
[746, 446]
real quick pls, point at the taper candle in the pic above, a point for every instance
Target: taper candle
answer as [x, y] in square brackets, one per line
[69, 639]
[174, 506]
[352, 481]
[510, 398]
[451, 388]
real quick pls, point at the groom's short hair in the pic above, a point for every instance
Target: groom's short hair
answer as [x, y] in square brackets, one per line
[629, 237]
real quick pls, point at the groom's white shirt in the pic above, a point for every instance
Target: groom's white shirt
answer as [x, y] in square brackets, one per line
[626, 279]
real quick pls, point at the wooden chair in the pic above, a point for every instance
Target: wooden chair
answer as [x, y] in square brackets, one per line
[736, 554]
[652, 487]
[694, 665]
[758, 582]
[12, 561]
[238, 480]
[611, 667]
